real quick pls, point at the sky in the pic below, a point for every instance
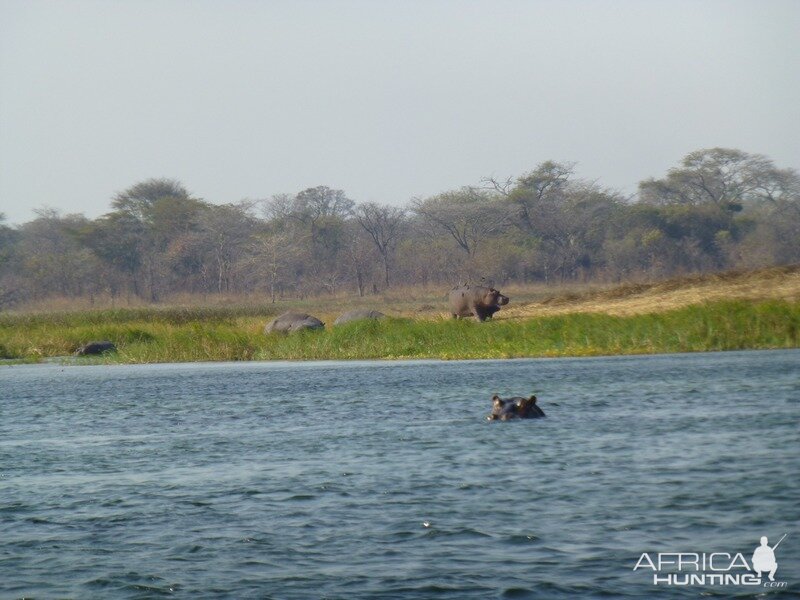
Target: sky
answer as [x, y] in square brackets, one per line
[386, 100]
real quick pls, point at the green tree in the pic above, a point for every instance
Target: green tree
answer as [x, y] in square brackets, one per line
[52, 260]
[723, 177]
[546, 184]
[8, 249]
[118, 240]
[713, 200]
[135, 237]
[139, 199]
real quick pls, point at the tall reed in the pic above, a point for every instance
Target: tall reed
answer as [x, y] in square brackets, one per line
[180, 335]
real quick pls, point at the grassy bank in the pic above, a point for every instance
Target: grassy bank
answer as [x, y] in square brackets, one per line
[178, 335]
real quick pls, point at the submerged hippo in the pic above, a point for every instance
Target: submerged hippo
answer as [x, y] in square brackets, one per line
[289, 322]
[478, 301]
[514, 408]
[358, 314]
[96, 348]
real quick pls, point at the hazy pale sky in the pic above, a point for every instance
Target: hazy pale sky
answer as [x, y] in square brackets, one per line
[386, 100]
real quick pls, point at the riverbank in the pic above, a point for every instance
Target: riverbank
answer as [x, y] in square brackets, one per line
[185, 335]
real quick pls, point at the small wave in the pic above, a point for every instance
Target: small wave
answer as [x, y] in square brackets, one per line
[300, 497]
[514, 593]
[152, 589]
[473, 486]
[197, 502]
[466, 533]
[150, 585]
[39, 521]
[15, 507]
[519, 539]
[399, 536]
[99, 582]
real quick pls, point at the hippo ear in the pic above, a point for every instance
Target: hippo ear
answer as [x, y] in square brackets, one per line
[532, 399]
[497, 400]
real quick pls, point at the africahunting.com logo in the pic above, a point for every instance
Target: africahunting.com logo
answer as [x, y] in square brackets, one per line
[714, 568]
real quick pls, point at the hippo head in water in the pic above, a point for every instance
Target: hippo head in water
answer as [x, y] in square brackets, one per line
[514, 408]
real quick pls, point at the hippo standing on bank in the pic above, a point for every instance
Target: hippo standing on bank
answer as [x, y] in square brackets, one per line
[514, 408]
[358, 314]
[290, 322]
[478, 301]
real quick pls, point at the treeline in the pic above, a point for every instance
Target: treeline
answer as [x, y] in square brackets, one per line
[719, 209]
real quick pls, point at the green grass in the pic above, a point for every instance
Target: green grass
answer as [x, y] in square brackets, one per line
[181, 335]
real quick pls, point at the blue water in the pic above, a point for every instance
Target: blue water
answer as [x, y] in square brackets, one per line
[384, 480]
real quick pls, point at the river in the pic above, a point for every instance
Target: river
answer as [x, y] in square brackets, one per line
[384, 480]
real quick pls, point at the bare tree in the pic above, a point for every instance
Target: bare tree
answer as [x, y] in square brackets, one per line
[501, 186]
[469, 215]
[270, 253]
[573, 229]
[228, 229]
[385, 225]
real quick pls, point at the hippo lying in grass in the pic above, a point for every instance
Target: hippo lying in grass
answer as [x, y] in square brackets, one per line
[290, 322]
[478, 301]
[96, 348]
[358, 314]
[514, 408]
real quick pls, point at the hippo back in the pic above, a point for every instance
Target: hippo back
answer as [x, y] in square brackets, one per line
[358, 314]
[460, 300]
[290, 322]
[96, 348]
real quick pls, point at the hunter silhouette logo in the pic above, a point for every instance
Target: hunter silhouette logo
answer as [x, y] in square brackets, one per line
[714, 568]
[764, 558]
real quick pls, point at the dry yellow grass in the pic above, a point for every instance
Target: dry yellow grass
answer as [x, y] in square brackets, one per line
[777, 283]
